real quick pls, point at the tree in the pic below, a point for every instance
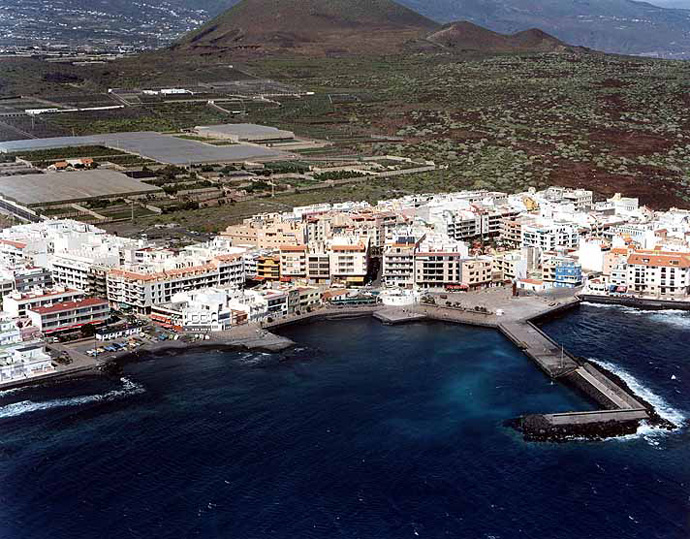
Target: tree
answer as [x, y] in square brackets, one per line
[88, 330]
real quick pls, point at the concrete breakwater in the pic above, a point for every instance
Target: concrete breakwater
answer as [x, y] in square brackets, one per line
[621, 413]
[638, 303]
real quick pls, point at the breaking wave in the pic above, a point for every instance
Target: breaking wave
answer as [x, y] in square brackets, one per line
[8, 392]
[26, 407]
[663, 408]
[677, 317]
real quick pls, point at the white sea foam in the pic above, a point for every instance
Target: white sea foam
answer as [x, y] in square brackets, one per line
[26, 407]
[663, 408]
[252, 358]
[8, 392]
[601, 305]
[674, 317]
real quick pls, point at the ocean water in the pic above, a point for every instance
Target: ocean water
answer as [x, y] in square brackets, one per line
[361, 431]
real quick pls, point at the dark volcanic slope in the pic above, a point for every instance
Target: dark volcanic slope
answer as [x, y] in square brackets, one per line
[314, 27]
[619, 26]
[461, 36]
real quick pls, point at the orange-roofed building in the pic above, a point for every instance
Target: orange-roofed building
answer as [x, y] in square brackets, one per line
[349, 259]
[659, 273]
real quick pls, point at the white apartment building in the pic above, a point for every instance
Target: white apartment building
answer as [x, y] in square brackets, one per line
[349, 259]
[659, 273]
[581, 199]
[9, 332]
[550, 236]
[141, 287]
[17, 304]
[69, 316]
[438, 262]
[399, 254]
[25, 360]
[19, 360]
[398, 262]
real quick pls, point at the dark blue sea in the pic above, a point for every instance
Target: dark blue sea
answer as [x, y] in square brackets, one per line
[361, 431]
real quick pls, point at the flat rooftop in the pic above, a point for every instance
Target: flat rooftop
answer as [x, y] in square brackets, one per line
[63, 187]
[162, 148]
[247, 131]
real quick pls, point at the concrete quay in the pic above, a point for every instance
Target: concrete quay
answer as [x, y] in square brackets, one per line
[621, 411]
[549, 357]
[398, 316]
[637, 302]
[589, 418]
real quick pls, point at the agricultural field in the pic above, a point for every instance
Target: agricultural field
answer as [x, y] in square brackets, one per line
[164, 117]
[25, 127]
[372, 190]
[509, 122]
[70, 152]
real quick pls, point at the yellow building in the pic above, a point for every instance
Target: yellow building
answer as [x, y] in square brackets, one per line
[268, 268]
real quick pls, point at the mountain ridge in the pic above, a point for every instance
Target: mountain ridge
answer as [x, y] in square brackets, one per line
[314, 27]
[614, 26]
[464, 35]
[340, 27]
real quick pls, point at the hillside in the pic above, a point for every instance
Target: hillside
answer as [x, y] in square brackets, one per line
[466, 36]
[312, 27]
[618, 26]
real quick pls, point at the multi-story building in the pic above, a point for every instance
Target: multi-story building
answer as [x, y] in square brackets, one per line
[309, 296]
[399, 256]
[18, 359]
[438, 262]
[23, 278]
[69, 316]
[17, 304]
[141, 287]
[477, 272]
[293, 261]
[24, 360]
[581, 199]
[511, 232]
[509, 265]
[659, 273]
[349, 259]
[277, 303]
[550, 236]
[318, 264]
[13, 252]
[267, 232]
[268, 268]
[568, 274]
[9, 332]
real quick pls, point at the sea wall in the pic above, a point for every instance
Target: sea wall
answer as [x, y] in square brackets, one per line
[639, 303]
[320, 315]
[540, 428]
